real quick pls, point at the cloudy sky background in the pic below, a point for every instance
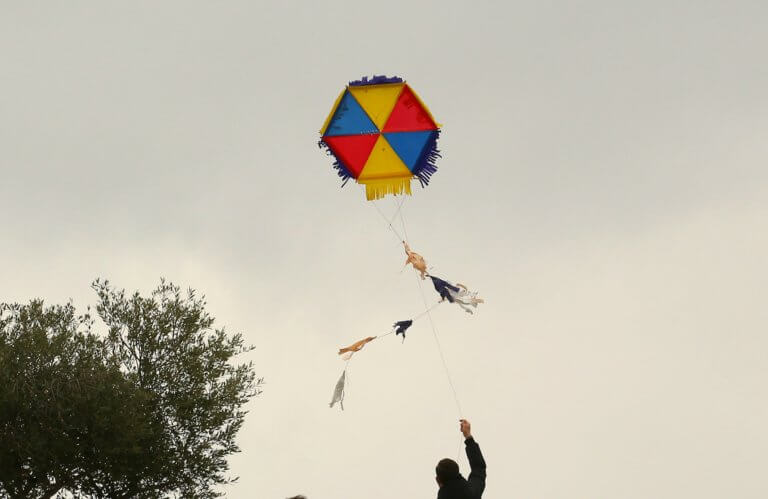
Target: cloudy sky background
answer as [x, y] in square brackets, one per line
[604, 186]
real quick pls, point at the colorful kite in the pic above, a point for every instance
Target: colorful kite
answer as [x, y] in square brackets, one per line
[382, 135]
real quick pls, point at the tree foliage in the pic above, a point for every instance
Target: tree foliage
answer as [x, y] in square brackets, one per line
[149, 408]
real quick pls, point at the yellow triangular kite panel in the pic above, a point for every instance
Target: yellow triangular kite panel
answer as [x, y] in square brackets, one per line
[384, 172]
[384, 162]
[333, 110]
[377, 100]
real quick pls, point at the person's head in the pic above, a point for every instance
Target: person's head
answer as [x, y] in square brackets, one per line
[446, 470]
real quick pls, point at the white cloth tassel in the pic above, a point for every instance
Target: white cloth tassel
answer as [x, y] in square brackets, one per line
[465, 298]
[338, 392]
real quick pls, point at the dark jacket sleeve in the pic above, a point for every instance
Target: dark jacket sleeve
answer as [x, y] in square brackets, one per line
[477, 464]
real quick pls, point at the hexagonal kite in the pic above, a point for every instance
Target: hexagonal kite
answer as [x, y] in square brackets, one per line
[382, 135]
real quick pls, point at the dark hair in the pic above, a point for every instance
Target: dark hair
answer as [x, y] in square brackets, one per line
[446, 470]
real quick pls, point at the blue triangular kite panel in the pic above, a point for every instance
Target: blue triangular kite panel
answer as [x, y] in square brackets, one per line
[409, 145]
[350, 119]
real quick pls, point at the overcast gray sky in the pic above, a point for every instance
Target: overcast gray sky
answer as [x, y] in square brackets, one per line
[604, 186]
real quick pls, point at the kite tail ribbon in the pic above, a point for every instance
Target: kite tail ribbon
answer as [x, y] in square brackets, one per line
[338, 392]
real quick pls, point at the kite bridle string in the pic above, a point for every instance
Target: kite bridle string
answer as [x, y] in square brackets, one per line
[389, 221]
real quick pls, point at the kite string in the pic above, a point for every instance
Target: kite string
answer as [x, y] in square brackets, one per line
[346, 378]
[440, 350]
[427, 311]
[432, 323]
[415, 318]
[399, 211]
[434, 333]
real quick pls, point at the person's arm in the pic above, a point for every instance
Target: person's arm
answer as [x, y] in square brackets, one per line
[476, 462]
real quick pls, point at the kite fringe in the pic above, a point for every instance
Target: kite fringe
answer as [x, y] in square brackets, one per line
[341, 170]
[427, 165]
[375, 80]
[378, 188]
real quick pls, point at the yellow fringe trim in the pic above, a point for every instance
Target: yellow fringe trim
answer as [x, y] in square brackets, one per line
[378, 188]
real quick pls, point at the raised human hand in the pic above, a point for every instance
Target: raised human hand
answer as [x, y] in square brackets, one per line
[466, 428]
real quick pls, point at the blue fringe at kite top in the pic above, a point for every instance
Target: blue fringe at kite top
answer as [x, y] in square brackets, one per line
[375, 80]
